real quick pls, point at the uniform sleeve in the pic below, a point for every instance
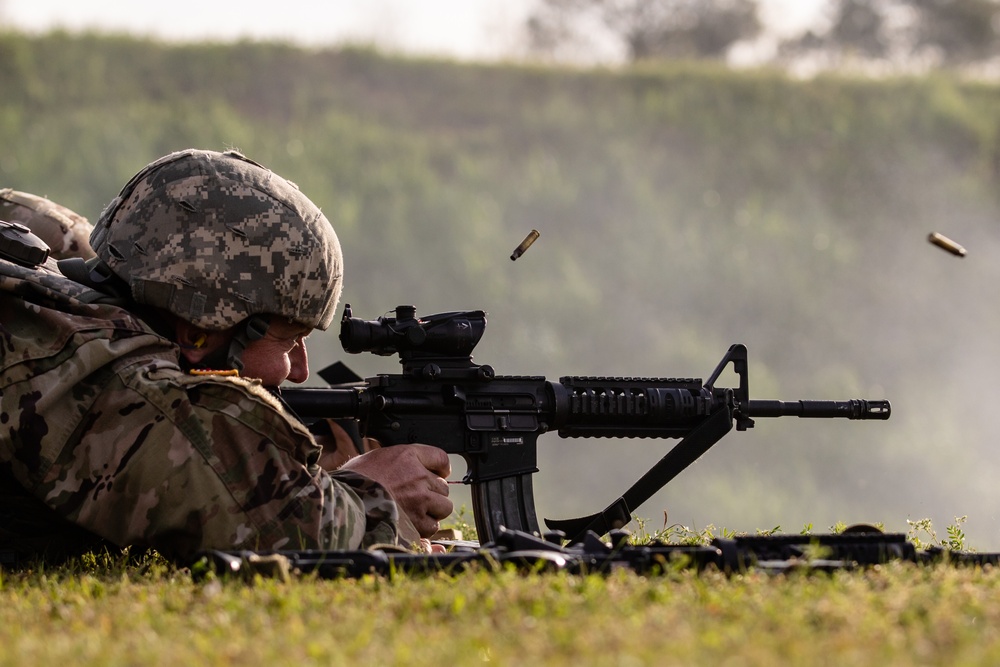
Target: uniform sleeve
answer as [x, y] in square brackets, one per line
[181, 464]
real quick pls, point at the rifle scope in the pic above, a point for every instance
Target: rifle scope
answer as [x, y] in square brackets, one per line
[451, 335]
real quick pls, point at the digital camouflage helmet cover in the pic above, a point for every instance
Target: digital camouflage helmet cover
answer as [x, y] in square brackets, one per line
[215, 239]
[63, 230]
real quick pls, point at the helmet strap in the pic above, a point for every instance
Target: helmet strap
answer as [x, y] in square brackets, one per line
[254, 329]
[97, 275]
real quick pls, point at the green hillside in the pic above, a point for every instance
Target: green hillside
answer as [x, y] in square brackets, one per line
[681, 207]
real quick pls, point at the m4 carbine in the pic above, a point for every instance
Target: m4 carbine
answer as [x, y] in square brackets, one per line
[443, 399]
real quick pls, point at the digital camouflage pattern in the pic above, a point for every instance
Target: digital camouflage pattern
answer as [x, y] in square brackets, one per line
[215, 238]
[98, 421]
[67, 233]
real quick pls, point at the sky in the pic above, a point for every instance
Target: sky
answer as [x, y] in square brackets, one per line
[464, 29]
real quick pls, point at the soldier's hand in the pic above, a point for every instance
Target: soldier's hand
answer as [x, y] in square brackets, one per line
[338, 446]
[416, 476]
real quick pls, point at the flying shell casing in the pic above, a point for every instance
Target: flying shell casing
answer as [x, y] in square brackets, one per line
[525, 244]
[946, 243]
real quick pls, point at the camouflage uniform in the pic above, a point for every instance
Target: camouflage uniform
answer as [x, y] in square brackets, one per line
[99, 421]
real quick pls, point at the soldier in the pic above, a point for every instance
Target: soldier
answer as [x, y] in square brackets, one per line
[133, 386]
[66, 232]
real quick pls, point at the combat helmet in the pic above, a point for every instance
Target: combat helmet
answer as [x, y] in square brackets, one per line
[219, 240]
[63, 230]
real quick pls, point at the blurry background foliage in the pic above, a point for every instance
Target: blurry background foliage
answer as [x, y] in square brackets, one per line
[864, 35]
[682, 206]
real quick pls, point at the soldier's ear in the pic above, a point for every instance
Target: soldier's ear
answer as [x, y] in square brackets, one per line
[197, 343]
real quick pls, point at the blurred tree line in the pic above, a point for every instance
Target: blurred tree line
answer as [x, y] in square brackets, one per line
[683, 207]
[938, 32]
[647, 30]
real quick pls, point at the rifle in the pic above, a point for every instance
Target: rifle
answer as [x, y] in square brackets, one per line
[443, 399]
[856, 547]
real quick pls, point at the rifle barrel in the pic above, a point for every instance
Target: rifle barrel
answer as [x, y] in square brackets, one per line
[851, 409]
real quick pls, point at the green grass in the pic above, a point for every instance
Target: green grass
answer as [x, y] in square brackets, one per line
[887, 615]
[103, 610]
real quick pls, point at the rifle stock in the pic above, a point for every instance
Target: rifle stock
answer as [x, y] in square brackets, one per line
[443, 399]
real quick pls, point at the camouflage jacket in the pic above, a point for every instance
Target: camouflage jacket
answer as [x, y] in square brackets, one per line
[98, 421]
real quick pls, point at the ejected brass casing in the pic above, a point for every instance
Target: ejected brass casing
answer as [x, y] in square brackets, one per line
[525, 244]
[946, 243]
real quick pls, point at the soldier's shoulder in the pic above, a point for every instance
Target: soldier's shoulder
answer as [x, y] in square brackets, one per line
[242, 399]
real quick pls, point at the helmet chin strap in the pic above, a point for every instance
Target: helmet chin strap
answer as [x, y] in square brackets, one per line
[255, 329]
